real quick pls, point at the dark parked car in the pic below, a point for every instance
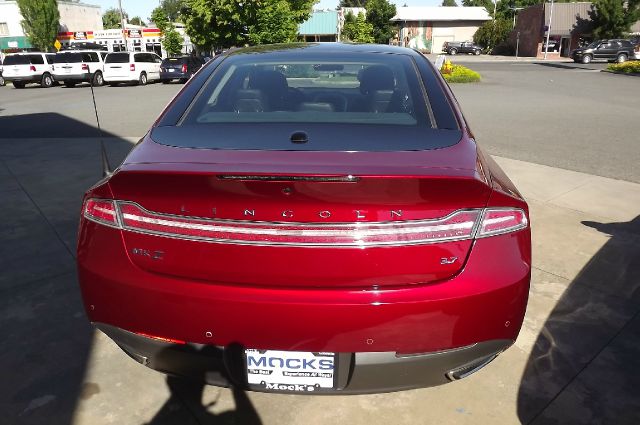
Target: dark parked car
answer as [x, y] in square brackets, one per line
[309, 218]
[455, 47]
[2, 83]
[610, 50]
[179, 68]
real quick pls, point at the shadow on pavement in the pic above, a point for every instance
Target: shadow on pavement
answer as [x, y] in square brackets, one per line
[46, 338]
[185, 404]
[584, 365]
[565, 66]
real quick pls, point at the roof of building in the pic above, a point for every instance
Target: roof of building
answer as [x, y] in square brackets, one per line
[320, 23]
[441, 13]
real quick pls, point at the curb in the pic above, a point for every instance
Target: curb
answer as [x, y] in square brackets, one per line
[628, 74]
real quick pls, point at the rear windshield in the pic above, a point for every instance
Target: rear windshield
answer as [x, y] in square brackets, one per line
[117, 58]
[17, 60]
[175, 60]
[332, 89]
[68, 58]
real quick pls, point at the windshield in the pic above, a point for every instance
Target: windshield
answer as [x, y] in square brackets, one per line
[67, 58]
[117, 58]
[17, 60]
[592, 45]
[367, 89]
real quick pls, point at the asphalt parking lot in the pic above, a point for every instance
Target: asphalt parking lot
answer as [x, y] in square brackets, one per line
[553, 129]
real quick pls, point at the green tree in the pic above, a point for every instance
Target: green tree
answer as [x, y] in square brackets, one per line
[111, 18]
[449, 3]
[41, 21]
[159, 18]
[491, 33]
[172, 41]
[226, 23]
[136, 20]
[273, 23]
[379, 14]
[357, 29]
[353, 3]
[173, 9]
[613, 18]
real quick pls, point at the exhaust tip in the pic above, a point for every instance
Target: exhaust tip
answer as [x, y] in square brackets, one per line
[469, 368]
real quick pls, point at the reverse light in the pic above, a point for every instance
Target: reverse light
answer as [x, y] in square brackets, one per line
[496, 221]
[459, 225]
[101, 211]
[132, 67]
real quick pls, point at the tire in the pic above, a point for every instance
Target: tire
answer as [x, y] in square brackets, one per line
[2, 83]
[166, 81]
[18, 84]
[142, 81]
[586, 59]
[622, 58]
[476, 52]
[98, 79]
[69, 84]
[46, 81]
[453, 51]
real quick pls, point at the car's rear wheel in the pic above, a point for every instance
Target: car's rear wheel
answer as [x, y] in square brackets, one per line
[476, 52]
[46, 81]
[69, 84]
[98, 79]
[621, 58]
[586, 59]
[142, 81]
[453, 51]
[2, 83]
[18, 84]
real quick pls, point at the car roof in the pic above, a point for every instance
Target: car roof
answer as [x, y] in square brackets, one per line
[320, 48]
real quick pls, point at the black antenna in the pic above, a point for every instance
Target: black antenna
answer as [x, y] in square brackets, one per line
[106, 167]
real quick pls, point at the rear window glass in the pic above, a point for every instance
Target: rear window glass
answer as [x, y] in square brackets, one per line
[175, 60]
[68, 58]
[36, 59]
[117, 58]
[332, 89]
[17, 60]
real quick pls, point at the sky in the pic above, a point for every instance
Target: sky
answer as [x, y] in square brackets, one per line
[143, 8]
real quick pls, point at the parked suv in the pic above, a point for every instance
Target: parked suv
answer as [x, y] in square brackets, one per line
[24, 68]
[74, 67]
[455, 47]
[131, 67]
[611, 50]
[180, 68]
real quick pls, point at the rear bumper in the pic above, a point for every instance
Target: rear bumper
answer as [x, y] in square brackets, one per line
[173, 76]
[23, 78]
[357, 373]
[120, 79]
[73, 77]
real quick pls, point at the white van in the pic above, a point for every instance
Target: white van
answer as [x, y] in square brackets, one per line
[24, 68]
[131, 67]
[77, 66]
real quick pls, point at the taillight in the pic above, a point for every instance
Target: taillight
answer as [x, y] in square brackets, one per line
[32, 68]
[502, 220]
[184, 68]
[85, 67]
[101, 211]
[132, 67]
[460, 225]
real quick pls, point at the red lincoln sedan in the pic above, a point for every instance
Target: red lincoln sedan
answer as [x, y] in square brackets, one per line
[311, 218]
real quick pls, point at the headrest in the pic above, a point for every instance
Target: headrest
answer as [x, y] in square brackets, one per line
[268, 80]
[376, 77]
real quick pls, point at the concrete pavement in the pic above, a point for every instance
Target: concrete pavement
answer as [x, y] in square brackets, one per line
[574, 362]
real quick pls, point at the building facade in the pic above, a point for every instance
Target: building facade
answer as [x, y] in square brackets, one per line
[323, 25]
[569, 27]
[428, 28]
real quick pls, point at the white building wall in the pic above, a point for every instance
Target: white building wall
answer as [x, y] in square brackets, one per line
[10, 15]
[452, 31]
[79, 16]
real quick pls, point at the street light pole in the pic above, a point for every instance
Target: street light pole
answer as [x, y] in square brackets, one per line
[546, 45]
[122, 26]
[495, 6]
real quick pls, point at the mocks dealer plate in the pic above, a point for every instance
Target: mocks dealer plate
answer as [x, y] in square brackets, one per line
[290, 370]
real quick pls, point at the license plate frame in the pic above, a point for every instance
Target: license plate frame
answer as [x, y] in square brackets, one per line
[289, 371]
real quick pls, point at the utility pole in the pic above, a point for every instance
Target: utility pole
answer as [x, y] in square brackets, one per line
[493, 37]
[122, 25]
[546, 45]
[515, 12]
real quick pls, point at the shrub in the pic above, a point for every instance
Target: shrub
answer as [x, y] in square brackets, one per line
[632, 67]
[459, 74]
